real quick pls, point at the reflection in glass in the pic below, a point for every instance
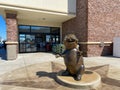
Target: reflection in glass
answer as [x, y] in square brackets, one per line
[22, 38]
[30, 43]
[47, 38]
[22, 47]
[36, 29]
[55, 30]
[38, 38]
[57, 39]
[24, 29]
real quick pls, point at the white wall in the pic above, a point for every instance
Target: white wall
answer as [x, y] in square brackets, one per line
[65, 6]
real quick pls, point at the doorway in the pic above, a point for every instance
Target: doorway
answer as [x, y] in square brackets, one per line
[37, 38]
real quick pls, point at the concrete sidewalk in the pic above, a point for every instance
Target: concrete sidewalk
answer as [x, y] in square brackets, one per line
[36, 71]
[25, 60]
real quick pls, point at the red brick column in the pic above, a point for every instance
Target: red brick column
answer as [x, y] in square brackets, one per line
[12, 34]
[12, 27]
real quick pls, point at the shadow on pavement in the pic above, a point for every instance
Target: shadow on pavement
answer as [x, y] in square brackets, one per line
[46, 74]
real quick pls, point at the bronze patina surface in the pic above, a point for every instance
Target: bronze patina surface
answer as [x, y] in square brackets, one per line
[73, 58]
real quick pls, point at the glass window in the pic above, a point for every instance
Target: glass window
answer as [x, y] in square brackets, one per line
[28, 39]
[37, 38]
[24, 29]
[36, 29]
[55, 30]
[22, 47]
[22, 38]
[57, 39]
[48, 38]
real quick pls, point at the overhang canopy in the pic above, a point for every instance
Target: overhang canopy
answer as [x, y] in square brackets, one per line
[28, 14]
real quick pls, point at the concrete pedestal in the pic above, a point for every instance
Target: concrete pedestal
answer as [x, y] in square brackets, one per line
[90, 80]
[11, 50]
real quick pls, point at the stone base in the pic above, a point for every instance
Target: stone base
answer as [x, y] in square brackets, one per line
[90, 80]
[11, 50]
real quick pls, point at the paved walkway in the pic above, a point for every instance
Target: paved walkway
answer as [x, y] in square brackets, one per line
[36, 71]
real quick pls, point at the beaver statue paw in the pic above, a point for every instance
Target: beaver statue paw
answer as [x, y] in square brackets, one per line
[78, 77]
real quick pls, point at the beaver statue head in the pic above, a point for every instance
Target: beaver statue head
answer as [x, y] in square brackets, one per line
[70, 41]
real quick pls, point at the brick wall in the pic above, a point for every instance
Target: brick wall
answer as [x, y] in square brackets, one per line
[103, 25]
[12, 30]
[78, 25]
[95, 21]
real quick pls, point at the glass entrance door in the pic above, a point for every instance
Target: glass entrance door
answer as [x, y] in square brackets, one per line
[40, 42]
[30, 43]
[27, 43]
[37, 38]
[22, 43]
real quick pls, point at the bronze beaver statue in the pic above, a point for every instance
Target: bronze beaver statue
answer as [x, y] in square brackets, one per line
[73, 58]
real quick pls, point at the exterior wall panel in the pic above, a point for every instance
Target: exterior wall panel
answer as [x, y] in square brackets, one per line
[65, 6]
